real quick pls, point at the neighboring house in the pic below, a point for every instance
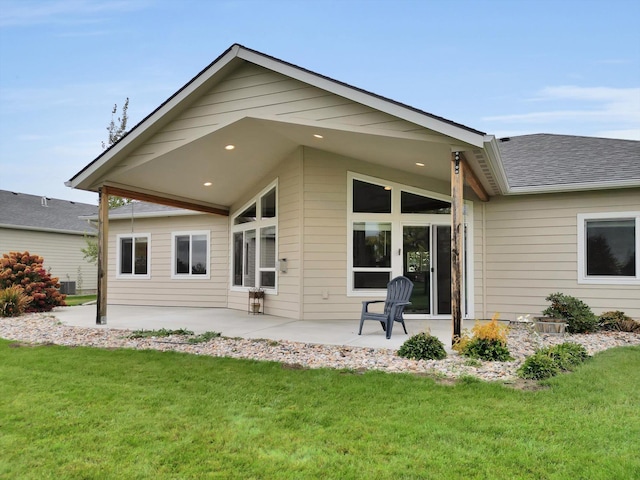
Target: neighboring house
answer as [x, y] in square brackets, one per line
[52, 229]
[320, 192]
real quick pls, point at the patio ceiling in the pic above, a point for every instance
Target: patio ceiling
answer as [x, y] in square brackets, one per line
[260, 144]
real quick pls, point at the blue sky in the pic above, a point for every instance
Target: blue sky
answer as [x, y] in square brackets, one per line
[505, 67]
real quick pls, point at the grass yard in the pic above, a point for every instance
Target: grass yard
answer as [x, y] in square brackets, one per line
[114, 414]
[73, 300]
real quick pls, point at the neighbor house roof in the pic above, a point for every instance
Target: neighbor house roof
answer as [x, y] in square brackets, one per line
[567, 162]
[146, 210]
[34, 212]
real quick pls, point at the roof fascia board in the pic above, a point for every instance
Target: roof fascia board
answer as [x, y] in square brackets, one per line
[573, 187]
[46, 230]
[147, 123]
[362, 97]
[495, 162]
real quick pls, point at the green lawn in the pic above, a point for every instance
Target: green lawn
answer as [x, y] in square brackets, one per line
[73, 300]
[90, 413]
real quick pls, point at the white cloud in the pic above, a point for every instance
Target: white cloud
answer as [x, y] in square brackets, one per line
[596, 109]
[24, 13]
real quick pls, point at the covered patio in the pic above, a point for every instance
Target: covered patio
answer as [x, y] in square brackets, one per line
[250, 126]
[234, 323]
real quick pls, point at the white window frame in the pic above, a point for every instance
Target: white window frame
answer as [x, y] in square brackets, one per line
[190, 275]
[398, 220]
[583, 278]
[132, 275]
[258, 225]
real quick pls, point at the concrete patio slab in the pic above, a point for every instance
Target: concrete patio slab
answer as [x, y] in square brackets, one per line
[235, 323]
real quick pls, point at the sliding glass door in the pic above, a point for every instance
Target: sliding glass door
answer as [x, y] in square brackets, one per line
[427, 262]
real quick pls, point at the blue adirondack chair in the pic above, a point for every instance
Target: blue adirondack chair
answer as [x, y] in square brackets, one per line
[398, 294]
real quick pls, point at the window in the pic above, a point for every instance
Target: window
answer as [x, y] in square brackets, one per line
[395, 229]
[190, 254]
[133, 255]
[255, 240]
[607, 248]
[371, 254]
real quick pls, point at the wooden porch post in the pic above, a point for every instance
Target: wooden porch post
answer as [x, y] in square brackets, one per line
[103, 248]
[457, 242]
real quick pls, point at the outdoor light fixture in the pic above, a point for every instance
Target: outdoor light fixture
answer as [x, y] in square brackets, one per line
[229, 147]
[317, 135]
[207, 184]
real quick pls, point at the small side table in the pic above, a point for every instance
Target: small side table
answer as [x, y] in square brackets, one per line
[255, 305]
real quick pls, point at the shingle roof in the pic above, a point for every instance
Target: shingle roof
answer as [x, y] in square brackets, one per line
[552, 160]
[42, 213]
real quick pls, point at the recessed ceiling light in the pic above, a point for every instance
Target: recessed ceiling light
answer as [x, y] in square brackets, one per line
[387, 188]
[207, 184]
[420, 164]
[229, 147]
[317, 135]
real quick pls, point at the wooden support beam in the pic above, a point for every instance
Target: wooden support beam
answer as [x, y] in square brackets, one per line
[103, 247]
[473, 181]
[147, 197]
[457, 242]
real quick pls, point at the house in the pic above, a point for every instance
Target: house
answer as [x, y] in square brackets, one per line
[319, 192]
[52, 229]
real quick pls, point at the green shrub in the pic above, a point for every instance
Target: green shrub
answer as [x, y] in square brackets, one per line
[423, 346]
[13, 301]
[577, 314]
[489, 342]
[568, 355]
[549, 361]
[487, 349]
[618, 321]
[26, 270]
[538, 366]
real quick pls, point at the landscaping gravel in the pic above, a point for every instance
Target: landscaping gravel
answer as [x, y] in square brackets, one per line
[42, 328]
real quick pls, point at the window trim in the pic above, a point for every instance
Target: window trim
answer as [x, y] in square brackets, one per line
[132, 275]
[583, 278]
[258, 225]
[190, 275]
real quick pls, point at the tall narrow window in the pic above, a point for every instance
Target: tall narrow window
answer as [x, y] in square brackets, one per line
[190, 252]
[255, 242]
[133, 255]
[371, 254]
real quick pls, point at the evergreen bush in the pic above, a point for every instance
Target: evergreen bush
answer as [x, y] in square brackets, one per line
[577, 314]
[423, 346]
[548, 362]
[488, 342]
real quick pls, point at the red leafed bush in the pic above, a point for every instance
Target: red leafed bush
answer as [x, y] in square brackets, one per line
[26, 270]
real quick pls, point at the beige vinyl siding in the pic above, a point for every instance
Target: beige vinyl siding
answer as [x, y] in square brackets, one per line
[531, 251]
[255, 91]
[161, 289]
[61, 252]
[325, 231]
[286, 303]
